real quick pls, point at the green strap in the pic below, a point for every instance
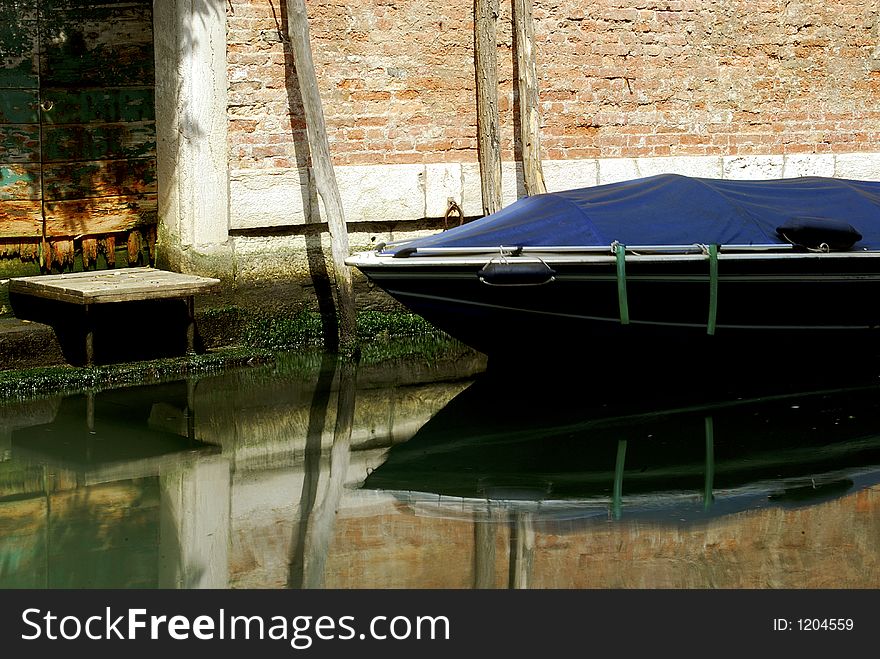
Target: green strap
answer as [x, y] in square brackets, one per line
[713, 289]
[621, 284]
[709, 483]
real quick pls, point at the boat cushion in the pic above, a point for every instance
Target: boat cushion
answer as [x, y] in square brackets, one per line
[816, 232]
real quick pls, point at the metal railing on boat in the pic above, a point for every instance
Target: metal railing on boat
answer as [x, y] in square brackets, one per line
[516, 250]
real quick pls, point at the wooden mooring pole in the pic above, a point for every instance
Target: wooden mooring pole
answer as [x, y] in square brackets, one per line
[486, 65]
[527, 86]
[322, 167]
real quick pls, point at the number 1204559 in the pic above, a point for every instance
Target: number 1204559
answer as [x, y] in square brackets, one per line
[825, 624]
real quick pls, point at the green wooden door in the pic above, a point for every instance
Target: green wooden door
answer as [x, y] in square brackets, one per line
[20, 218]
[77, 129]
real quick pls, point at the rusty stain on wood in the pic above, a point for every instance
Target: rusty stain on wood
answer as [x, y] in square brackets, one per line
[92, 217]
[29, 251]
[113, 178]
[21, 219]
[108, 248]
[89, 252]
[135, 245]
[61, 254]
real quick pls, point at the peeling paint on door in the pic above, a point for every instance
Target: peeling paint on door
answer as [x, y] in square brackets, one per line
[77, 128]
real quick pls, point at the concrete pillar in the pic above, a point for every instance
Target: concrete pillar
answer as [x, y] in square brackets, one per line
[194, 525]
[191, 124]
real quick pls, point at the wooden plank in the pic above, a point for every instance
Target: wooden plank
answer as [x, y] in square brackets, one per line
[30, 251]
[98, 46]
[99, 215]
[9, 249]
[99, 141]
[89, 252]
[26, 251]
[104, 286]
[19, 182]
[19, 63]
[20, 219]
[115, 277]
[488, 131]
[19, 106]
[107, 105]
[97, 77]
[527, 84]
[135, 248]
[128, 295]
[107, 245]
[19, 143]
[62, 254]
[109, 178]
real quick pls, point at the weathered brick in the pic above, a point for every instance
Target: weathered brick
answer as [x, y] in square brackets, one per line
[719, 77]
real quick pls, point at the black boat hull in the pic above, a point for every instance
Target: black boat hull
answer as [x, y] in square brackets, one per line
[826, 306]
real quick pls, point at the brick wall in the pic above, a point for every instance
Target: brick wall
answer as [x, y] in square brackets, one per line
[618, 78]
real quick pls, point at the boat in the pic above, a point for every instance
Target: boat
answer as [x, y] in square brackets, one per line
[652, 264]
[560, 454]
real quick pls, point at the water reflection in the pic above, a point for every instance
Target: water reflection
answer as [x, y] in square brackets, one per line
[563, 457]
[321, 474]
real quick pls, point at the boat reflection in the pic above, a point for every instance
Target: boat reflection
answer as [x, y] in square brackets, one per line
[418, 475]
[558, 456]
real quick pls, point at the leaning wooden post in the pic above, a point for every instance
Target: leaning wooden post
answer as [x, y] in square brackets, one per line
[322, 167]
[527, 86]
[486, 64]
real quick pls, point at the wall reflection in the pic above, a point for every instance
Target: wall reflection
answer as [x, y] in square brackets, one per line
[331, 475]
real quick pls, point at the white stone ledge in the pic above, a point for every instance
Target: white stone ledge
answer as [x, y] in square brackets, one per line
[279, 197]
[267, 198]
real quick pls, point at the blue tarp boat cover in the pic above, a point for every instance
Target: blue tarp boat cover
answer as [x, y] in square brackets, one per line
[671, 209]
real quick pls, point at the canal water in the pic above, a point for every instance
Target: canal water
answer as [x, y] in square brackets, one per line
[434, 474]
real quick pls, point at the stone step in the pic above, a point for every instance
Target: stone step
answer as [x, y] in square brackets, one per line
[26, 344]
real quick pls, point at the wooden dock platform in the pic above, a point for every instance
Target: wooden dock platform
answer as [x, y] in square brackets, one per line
[124, 285]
